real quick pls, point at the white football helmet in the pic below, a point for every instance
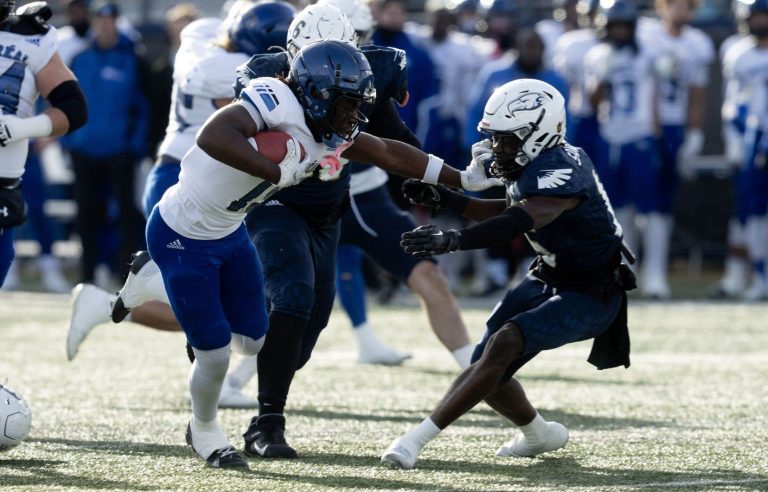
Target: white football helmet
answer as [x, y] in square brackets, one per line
[523, 118]
[359, 14]
[316, 23]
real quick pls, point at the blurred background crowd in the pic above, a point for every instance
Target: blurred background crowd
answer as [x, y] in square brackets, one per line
[84, 190]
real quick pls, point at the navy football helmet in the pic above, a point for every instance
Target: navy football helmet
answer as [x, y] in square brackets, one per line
[744, 10]
[332, 79]
[261, 27]
[6, 9]
[618, 12]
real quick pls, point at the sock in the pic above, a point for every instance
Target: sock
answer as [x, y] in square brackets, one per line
[423, 433]
[656, 246]
[205, 379]
[463, 355]
[278, 360]
[350, 284]
[243, 372]
[366, 338]
[535, 431]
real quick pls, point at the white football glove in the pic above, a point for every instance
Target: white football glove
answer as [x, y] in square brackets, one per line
[474, 177]
[14, 129]
[689, 150]
[293, 170]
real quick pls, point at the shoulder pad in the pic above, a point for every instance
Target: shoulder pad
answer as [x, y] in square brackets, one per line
[556, 172]
[390, 72]
[31, 19]
[263, 65]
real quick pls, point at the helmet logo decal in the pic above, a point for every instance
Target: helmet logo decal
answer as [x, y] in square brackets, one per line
[525, 102]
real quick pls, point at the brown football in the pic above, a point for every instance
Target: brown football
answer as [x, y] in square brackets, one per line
[272, 145]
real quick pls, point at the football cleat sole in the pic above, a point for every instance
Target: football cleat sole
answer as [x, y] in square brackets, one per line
[119, 310]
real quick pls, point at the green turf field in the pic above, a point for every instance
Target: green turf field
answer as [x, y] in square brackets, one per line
[691, 412]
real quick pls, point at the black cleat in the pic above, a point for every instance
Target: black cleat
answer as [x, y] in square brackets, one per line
[221, 458]
[119, 311]
[265, 438]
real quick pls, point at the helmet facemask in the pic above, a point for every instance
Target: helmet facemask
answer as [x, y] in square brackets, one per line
[7, 7]
[508, 149]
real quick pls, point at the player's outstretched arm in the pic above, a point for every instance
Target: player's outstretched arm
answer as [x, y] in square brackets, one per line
[440, 197]
[532, 213]
[225, 138]
[406, 160]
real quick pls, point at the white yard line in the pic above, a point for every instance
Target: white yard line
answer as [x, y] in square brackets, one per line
[699, 483]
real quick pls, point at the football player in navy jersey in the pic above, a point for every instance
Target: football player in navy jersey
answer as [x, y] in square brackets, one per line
[575, 289]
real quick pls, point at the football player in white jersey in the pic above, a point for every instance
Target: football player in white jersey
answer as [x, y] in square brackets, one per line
[682, 68]
[737, 268]
[746, 65]
[196, 233]
[568, 59]
[29, 66]
[565, 19]
[620, 76]
[204, 69]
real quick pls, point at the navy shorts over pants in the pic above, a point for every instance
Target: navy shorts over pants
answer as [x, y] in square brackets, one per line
[548, 318]
[215, 286]
[299, 267]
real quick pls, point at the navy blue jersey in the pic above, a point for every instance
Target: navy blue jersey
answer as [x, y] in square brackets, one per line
[391, 82]
[581, 239]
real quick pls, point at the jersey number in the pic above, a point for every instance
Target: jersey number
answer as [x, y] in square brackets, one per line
[10, 87]
[623, 98]
[262, 191]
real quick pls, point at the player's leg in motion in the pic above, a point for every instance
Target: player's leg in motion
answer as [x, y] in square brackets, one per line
[531, 318]
[351, 287]
[376, 227]
[204, 280]
[756, 227]
[285, 245]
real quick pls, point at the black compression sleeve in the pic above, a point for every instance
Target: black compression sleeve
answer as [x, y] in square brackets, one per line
[497, 230]
[69, 98]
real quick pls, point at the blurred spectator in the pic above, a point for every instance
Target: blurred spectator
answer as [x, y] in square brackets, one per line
[467, 16]
[73, 38]
[528, 62]
[160, 79]
[565, 18]
[501, 25]
[422, 77]
[106, 150]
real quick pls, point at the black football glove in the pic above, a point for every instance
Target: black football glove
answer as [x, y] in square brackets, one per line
[437, 197]
[428, 240]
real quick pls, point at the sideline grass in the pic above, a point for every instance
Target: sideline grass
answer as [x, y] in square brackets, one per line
[690, 413]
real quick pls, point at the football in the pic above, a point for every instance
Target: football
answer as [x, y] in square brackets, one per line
[15, 419]
[271, 144]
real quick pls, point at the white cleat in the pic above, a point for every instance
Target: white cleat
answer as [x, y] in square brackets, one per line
[656, 287]
[143, 276]
[233, 397]
[90, 308]
[400, 454]
[756, 292]
[51, 276]
[519, 447]
[382, 355]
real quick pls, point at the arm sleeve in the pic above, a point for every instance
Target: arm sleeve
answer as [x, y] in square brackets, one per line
[497, 230]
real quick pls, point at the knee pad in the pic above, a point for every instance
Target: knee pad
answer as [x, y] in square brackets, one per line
[214, 362]
[293, 298]
[245, 345]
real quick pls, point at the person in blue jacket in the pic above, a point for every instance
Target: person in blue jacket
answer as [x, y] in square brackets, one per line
[106, 151]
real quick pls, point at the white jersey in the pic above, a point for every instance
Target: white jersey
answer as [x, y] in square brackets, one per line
[211, 199]
[627, 114]
[682, 62]
[747, 66]
[21, 59]
[568, 60]
[730, 50]
[202, 73]
[550, 31]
